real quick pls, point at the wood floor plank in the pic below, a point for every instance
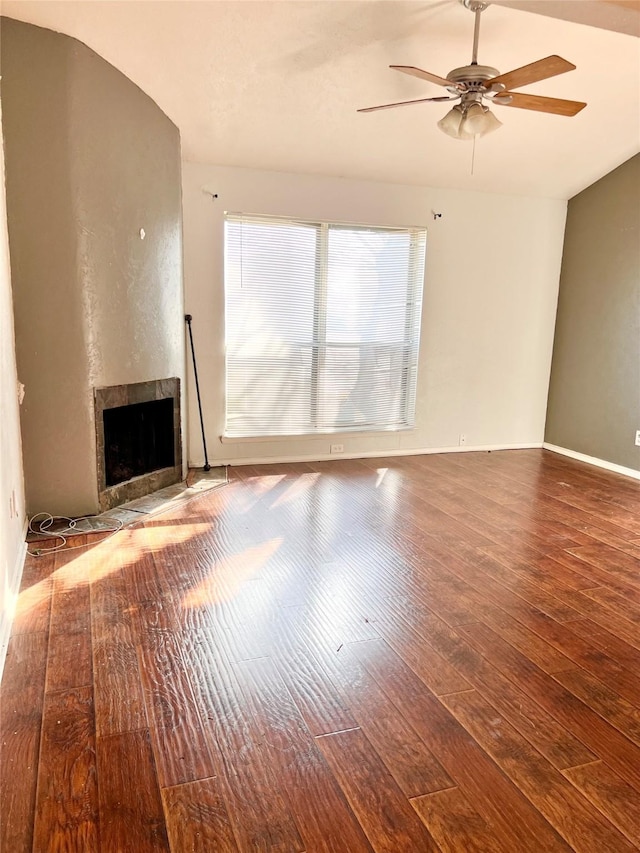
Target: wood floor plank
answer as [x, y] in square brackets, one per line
[259, 815]
[550, 505]
[558, 745]
[258, 810]
[444, 680]
[182, 752]
[615, 601]
[67, 796]
[538, 650]
[602, 572]
[70, 660]
[70, 622]
[517, 823]
[210, 672]
[539, 532]
[610, 794]
[131, 815]
[591, 503]
[382, 809]
[490, 578]
[154, 614]
[33, 607]
[318, 806]
[118, 694]
[622, 755]
[582, 650]
[576, 576]
[601, 638]
[21, 705]
[579, 823]
[613, 708]
[606, 616]
[413, 766]
[552, 632]
[70, 595]
[547, 595]
[181, 746]
[307, 680]
[455, 824]
[197, 818]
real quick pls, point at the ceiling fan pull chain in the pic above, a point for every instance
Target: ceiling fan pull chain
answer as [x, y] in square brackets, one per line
[473, 152]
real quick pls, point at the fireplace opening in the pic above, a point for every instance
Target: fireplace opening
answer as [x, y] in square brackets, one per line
[138, 439]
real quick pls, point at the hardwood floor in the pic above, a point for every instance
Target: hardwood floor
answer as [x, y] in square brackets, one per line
[436, 653]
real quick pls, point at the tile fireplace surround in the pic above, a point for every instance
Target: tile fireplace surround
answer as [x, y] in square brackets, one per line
[126, 395]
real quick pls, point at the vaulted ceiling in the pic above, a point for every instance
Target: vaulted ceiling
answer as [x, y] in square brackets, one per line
[275, 84]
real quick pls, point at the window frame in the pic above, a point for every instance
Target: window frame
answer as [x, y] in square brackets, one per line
[319, 343]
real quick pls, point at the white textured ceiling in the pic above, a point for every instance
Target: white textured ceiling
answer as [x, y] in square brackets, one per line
[276, 85]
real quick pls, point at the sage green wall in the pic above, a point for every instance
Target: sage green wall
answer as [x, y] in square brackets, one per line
[594, 393]
[90, 161]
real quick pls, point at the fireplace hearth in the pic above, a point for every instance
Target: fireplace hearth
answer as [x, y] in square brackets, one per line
[138, 440]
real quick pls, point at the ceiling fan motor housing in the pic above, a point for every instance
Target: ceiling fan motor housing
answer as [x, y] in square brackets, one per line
[473, 82]
[473, 76]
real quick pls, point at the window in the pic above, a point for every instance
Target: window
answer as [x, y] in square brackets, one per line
[322, 326]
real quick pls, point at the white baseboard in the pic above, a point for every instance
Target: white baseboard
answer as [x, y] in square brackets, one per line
[366, 454]
[6, 617]
[593, 460]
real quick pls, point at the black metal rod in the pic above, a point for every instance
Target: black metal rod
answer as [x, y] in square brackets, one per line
[188, 319]
[476, 35]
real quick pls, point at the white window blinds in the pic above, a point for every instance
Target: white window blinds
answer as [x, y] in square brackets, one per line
[322, 326]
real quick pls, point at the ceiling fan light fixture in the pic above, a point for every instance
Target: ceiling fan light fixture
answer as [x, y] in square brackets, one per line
[474, 120]
[465, 123]
[490, 122]
[450, 124]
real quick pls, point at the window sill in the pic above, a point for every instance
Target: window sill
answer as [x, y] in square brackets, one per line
[322, 436]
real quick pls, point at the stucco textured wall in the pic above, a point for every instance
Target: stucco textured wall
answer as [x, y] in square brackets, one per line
[91, 161]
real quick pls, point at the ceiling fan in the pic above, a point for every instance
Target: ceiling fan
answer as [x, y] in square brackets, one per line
[472, 84]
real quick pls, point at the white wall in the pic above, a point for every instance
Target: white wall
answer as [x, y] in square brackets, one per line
[493, 265]
[12, 513]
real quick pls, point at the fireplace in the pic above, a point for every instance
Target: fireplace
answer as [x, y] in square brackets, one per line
[138, 440]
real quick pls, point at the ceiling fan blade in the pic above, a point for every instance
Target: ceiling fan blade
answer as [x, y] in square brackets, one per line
[557, 106]
[404, 103]
[533, 73]
[423, 75]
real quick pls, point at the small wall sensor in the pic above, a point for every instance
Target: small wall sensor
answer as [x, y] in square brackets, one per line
[142, 234]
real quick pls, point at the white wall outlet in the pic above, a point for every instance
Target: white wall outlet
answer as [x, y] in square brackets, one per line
[337, 448]
[638, 437]
[462, 440]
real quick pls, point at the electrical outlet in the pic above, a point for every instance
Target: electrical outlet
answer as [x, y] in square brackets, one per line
[337, 448]
[638, 437]
[462, 440]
